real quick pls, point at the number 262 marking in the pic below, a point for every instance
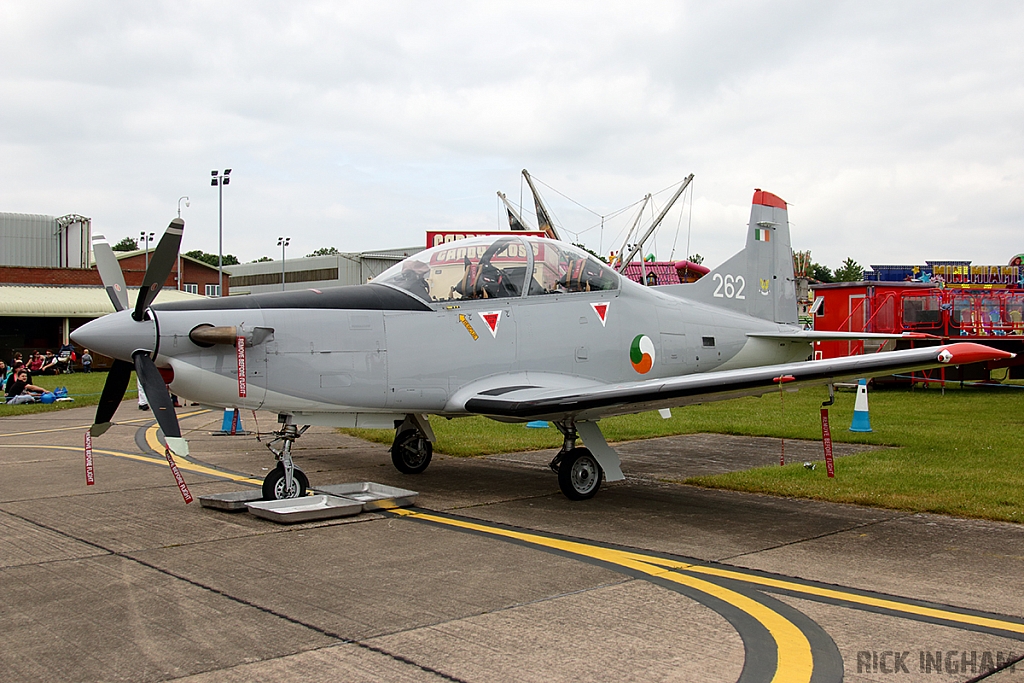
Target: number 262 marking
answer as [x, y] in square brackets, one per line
[729, 286]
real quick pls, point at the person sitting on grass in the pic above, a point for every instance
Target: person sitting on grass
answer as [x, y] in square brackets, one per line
[34, 362]
[50, 364]
[18, 390]
[16, 367]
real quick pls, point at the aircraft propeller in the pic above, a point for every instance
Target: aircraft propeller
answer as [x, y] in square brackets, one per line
[148, 375]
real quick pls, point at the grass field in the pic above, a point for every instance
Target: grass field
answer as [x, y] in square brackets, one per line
[85, 388]
[959, 453]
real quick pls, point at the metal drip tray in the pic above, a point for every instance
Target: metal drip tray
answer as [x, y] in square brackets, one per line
[373, 496]
[305, 509]
[233, 501]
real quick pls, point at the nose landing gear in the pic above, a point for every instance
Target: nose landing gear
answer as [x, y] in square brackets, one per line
[286, 480]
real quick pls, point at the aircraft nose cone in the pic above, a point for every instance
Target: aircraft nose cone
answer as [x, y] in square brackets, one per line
[117, 335]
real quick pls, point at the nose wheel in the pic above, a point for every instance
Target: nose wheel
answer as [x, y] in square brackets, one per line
[275, 486]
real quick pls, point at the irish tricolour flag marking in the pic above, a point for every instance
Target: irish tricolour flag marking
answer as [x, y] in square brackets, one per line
[641, 354]
[762, 235]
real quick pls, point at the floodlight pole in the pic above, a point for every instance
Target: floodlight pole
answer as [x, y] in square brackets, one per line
[283, 242]
[220, 180]
[147, 237]
[187, 204]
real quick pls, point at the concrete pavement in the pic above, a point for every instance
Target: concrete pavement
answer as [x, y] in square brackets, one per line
[494, 576]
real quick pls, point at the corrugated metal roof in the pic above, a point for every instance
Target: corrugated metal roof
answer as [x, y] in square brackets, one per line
[70, 301]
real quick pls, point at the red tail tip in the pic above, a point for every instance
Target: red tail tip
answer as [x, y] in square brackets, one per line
[768, 199]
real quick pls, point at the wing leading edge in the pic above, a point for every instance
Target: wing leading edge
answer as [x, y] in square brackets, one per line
[531, 403]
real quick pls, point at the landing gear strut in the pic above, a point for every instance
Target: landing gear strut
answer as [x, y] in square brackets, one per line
[412, 450]
[579, 473]
[286, 480]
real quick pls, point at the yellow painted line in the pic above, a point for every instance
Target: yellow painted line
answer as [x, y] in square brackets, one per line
[831, 593]
[893, 605]
[81, 427]
[152, 441]
[182, 465]
[795, 662]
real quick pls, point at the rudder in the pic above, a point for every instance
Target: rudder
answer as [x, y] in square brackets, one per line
[757, 281]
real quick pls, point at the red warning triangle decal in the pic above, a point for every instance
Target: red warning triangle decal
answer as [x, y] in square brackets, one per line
[492, 318]
[602, 311]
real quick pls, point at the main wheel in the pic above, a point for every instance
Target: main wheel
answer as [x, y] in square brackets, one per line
[274, 488]
[579, 475]
[411, 452]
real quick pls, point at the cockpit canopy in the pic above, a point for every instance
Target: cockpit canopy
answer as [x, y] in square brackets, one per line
[498, 266]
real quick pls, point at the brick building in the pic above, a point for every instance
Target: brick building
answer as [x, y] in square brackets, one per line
[40, 306]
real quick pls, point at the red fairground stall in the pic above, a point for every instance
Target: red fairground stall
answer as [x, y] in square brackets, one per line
[654, 273]
[933, 315]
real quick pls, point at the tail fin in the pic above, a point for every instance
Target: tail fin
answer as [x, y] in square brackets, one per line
[757, 281]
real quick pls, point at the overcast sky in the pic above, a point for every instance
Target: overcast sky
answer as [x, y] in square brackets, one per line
[895, 130]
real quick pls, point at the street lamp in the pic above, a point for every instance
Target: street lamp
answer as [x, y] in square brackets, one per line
[283, 242]
[187, 204]
[220, 180]
[147, 237]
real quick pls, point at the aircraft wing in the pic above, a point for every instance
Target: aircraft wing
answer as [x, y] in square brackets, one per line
[519, 402]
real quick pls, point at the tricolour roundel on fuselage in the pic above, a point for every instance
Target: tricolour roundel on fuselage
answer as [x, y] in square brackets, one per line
[641, 354]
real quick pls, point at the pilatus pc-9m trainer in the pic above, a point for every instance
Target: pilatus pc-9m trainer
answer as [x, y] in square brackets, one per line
[512, 327]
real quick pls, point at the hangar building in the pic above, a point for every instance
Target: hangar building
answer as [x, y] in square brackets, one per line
[315, 272]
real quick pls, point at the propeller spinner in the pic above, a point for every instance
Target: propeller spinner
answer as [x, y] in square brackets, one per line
[129, 336]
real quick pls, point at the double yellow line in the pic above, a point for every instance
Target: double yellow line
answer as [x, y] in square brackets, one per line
[795, 662]
[794, 657]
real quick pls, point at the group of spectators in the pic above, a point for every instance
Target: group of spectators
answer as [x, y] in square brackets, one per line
[16, 376]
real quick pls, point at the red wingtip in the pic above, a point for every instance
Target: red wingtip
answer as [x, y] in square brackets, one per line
[968, 352]
[768, 199]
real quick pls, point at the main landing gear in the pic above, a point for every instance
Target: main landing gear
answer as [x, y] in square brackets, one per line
[579, 473]
[286, 480]
[412, 448]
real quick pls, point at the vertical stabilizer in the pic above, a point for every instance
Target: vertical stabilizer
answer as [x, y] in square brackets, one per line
[757, 281]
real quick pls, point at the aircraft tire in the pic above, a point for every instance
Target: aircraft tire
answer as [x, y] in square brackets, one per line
[579, 474]
[273, 485]
[411, 452]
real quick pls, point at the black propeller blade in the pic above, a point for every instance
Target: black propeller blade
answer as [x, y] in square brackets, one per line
[160, 266]
[159, 400]
[113, 393]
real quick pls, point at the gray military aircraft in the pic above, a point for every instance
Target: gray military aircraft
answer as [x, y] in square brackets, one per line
[512, 327]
